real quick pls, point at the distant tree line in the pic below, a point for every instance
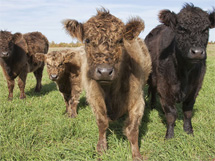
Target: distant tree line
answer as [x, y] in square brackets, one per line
[63, 44]
[211, 42]
[77, 44]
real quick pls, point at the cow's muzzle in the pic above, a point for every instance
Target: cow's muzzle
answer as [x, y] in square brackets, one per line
[197, 53]
[104, 73]
[5, 54]
[53, 77]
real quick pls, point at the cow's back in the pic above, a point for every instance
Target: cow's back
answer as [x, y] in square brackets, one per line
[159, 40]
[37, 43]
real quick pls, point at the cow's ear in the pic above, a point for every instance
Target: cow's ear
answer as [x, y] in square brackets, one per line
[133, 28]
[212, 18]
[68, 57]
[40, 56]
[74, 28]
[17, 37]
[168, 18]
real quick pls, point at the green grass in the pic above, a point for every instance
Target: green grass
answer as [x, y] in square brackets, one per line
[37, 128]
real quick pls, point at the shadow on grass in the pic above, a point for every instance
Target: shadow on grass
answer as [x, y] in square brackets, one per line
[45, 89]
[180, 115]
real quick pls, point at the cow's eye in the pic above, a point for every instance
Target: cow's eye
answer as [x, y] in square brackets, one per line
[182, 29]
[48, 65]
[206, 31]
[87, 41]
[121, 41]
[60, 65]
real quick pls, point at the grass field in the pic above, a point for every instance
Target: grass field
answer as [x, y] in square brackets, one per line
[37, 128]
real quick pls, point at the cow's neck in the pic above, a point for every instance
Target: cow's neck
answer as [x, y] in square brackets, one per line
[8, 66]
[185, 72]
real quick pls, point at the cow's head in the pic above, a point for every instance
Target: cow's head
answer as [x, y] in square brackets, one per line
[7, 42]
[56, 63]
[103, 36]
[191, 26]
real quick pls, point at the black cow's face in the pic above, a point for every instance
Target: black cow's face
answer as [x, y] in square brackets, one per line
[191, 26]
[7, 42]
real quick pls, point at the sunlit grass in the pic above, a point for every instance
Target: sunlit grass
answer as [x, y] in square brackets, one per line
[38, 129]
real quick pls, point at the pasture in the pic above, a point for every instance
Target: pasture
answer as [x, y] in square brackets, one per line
[37, 128]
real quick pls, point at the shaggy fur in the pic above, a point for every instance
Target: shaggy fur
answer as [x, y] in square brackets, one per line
[178, 52]
[17, 58]
[64, 67]
[116, 68]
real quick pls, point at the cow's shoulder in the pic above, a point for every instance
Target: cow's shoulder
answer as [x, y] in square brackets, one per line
[160, 41]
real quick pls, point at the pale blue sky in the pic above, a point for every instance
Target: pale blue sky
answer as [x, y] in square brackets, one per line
[46, 15]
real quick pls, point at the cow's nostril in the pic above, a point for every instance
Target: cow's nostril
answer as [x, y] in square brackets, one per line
[193, 51]
[99, 71]
[111, 72]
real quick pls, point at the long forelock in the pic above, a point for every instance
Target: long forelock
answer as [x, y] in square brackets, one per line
[104, 27]
[54, 56]
[194, 16]
[5, 37]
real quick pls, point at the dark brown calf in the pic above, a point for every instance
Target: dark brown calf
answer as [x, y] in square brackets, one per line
[17, 58]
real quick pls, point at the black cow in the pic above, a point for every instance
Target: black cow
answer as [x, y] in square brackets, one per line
[178, 52]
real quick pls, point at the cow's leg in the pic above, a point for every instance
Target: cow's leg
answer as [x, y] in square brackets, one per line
[152, 92]
[102, 122]
[171, 115]
[153, 96]
[10, 85]
[187, 109]
[131, 129]
[21, 84]
[38, 75]
[66, 97]
[73, 103]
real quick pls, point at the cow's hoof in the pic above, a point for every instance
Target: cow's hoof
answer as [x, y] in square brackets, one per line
[169, 136]
[138, 158]
[22, 97]
[10, 98]
[72, 115]
[188, 130]
[101, 147]
[37, 90]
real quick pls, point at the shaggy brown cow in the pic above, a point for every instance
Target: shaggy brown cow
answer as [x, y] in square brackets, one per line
[17, 58]
[64, 67]
[116, 68]
[178, 52]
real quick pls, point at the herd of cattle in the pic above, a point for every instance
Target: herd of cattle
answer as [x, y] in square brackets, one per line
[114, 65]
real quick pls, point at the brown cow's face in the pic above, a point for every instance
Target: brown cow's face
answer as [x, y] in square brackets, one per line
[191, 26]
[6, 44]
[103, 37]
[104, 47]
[55, 66]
